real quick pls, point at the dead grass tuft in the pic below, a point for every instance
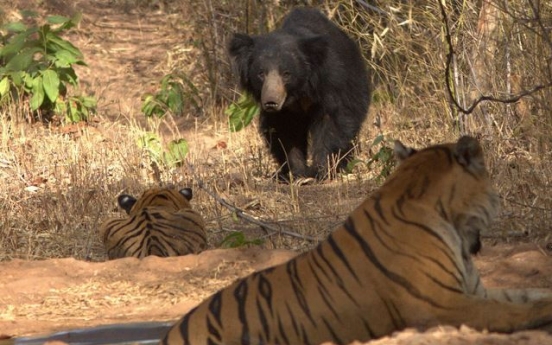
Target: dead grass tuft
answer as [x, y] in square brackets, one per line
[59, 183]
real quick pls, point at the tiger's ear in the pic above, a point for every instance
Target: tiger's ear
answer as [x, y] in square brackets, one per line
[469, 154]
[126, 202]
[402, 152]
[187, 193]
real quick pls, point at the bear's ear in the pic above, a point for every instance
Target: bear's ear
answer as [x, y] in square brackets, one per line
[315, 48]
[240, 50]
[240, 46]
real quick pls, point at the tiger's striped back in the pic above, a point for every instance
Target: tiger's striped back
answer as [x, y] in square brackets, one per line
[401, 259]
[161, 222]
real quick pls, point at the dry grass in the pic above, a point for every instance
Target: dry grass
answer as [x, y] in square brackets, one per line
[60, 183]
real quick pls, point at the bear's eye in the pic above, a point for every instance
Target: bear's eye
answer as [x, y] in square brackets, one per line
[286, 76]
[261, 75]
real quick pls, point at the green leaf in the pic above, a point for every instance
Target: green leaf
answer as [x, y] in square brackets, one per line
[72, 111]
[175, 101]
[377, 140]
[177, 151]
[151, 106]
[43, 32]
[384, 155]
[65, 23]
[241, 113]
[165, 81]
[15, 27]
[238, 239]
[76, 18]
[27, 80]
[23, 60]
[38, 93]
[56, 43]
[51, 84]
[15, 45]
[152, 145]
[18, 78]
[234, 240]
[60, 107]
[89, 102]
[67, 75]
[352, 164]
[4, 86]
[57, 19]
[77, 110]
[64, 59]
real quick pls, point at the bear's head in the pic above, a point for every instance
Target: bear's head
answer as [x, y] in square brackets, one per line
[279, 69]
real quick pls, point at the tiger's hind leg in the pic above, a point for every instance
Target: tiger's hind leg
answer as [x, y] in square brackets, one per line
[519, 295]
[493, 315]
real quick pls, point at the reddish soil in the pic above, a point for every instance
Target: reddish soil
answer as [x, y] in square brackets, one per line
[40, 297]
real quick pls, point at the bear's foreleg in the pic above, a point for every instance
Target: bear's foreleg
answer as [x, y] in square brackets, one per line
[287, 139]
[331, 148]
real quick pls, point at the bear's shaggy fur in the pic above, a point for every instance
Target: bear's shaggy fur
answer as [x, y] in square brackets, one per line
[311, 82]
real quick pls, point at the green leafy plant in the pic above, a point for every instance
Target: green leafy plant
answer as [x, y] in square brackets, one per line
[383, 155]
[176, 92]
[238, 239]
[241, 113]
[36, 65]
[172, 155]
[380, 153]
[76, 108]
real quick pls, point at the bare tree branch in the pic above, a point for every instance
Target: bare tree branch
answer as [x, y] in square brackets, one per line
[537, 17]
[450, 55]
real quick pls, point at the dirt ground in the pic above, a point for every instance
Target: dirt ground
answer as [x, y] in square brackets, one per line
[41, 297]
[126, 51]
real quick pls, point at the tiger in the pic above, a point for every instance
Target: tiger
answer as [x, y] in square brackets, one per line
[161, 222]
[402, 259]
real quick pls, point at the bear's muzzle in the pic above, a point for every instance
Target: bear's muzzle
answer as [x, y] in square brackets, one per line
[273, 94]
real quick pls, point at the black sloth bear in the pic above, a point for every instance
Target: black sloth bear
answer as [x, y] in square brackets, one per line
[310, 80]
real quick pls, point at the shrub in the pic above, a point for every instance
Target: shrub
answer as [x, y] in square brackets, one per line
[36, 66]
[169, 156]
[175, 93]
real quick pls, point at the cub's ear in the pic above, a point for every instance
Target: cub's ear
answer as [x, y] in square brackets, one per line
[402, 152]
[187, 193]
[126, 202]
[315, 48]
[240, 46]
[469, 154]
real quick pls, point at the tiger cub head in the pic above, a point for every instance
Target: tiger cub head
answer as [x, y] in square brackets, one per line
[160, 222]
[168, 199]
[454, 178]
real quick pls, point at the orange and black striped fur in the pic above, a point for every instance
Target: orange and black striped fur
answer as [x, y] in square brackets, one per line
[161, 222]
[401, 259]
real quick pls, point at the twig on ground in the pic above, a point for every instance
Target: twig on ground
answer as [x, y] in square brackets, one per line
[512, 201]
[241, 213]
